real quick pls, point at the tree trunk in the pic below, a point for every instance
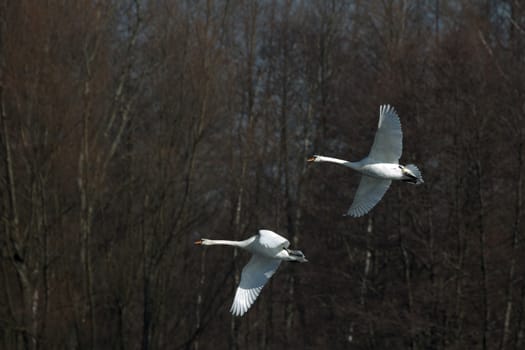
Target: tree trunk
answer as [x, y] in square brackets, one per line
[364, 282]
[14, 235]
[514, 251]
[147, 299]
[407, 272]
[482, 258]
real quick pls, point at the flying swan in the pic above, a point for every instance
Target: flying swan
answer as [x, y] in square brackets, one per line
[381, 166]
[268, 249]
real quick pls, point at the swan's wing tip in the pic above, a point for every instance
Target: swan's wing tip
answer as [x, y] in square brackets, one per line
[368, 194]
[356, 212]
[353, 214]
[253, 278]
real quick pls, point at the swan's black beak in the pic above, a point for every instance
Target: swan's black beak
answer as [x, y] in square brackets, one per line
[199, 242]
[311, 159]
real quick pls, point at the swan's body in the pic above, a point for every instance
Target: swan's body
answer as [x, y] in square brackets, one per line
[268, 249]
[381, 166]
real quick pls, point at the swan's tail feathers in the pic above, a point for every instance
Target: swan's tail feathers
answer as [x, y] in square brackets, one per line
[415, 171]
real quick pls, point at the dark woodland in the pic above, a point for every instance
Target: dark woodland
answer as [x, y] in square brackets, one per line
[130, 129]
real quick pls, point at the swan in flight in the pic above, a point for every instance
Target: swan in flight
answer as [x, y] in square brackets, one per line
[381, 166]
[268, 250]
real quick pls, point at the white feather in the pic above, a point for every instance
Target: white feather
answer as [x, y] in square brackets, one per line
[381, 166]
[368, 194]
[388, 141]
[268, 249]
[253, 278]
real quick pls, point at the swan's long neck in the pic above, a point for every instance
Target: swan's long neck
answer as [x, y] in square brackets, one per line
[352, 165]
[240, 244]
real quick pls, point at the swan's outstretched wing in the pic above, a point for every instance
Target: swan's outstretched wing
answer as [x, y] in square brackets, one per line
[253, 278]
[369, 193]
[271, 240]
[388, 141]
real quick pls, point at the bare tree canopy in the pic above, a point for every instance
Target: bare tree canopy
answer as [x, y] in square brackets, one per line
[129, 129]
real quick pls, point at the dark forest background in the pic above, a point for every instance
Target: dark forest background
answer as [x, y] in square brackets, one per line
[129, 129]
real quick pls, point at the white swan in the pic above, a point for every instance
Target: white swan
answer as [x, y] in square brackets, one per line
[381, 166]
[268, 249]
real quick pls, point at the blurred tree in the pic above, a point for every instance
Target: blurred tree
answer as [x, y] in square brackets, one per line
[129, 129]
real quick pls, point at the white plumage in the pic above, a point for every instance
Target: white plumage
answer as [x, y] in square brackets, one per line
[381, 166]
[388, 141]
[268, 249]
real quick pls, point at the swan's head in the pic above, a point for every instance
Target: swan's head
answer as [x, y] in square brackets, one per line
[314, 158]
[295, 255]
[203, 241]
